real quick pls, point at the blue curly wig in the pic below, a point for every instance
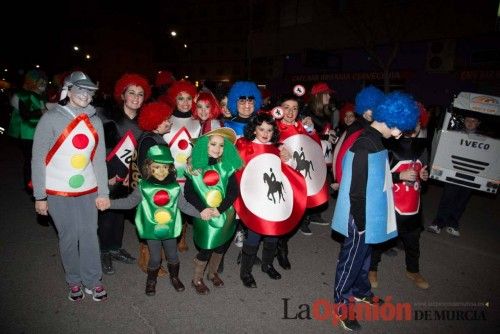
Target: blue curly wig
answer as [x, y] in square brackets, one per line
[243, 88]
[398, 110]
[368, 98]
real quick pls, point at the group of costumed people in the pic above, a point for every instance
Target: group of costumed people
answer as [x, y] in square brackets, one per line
[257, 173]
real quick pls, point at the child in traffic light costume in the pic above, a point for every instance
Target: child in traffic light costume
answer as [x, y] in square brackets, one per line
[211, 185]
[158, 217]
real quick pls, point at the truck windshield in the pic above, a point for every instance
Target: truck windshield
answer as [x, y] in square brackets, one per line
[487, 125]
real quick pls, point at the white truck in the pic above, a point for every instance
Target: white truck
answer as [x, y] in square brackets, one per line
[469, 159]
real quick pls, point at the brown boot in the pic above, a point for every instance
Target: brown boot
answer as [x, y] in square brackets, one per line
[197, 282]
[173, 269]
[143, 259]
[372, 277]
[419, 280]
[151, 281]
[182, 246]
[213, 265]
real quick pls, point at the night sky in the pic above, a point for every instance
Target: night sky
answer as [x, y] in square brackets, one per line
[31, 37]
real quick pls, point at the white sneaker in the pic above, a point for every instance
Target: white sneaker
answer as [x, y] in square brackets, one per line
[98, 293]
[433, 229]
[453, 231]
[238, 239]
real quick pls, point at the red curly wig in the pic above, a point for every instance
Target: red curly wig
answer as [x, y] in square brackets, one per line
[164, 78]
[152, 115]
[178, 87]
[131, 79]
[348, 106]
[424, 115]
[209, 99]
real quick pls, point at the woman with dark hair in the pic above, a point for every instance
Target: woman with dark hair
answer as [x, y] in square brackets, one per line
[121, 131]
[307, 158]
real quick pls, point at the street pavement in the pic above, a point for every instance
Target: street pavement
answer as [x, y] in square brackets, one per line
[463, 272]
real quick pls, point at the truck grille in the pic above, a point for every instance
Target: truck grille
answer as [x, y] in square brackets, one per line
[468, 165]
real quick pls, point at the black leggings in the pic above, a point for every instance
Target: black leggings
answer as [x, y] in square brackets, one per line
[411, 243]
[110, 231]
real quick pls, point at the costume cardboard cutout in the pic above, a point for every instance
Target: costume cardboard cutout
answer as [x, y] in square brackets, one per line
[123, 152]
[407, 194]
[158, 216]
[380, 214]
[273, 195]
[211, 185]
[308, 160]
[178, 139]
[69, 170]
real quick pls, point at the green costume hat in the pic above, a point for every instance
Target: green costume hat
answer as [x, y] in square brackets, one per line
[160, 154]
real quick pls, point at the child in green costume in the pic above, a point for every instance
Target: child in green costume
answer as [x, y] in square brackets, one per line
[158, 219]
[211, 187]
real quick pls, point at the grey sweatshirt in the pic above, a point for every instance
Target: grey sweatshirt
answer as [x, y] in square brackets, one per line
[136, 197]
[48, 130]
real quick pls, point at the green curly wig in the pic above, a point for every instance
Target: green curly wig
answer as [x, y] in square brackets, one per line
[230, 158]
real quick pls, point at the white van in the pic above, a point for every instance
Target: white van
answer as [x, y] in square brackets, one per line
[469, 159]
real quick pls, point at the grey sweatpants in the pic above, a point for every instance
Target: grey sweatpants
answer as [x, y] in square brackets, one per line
[76, 221]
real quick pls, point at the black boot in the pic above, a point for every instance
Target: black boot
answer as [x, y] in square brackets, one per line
[107, 263]
[173, 270]
[256, 262]
[282, 254]
[151, 281]
[268, 253]
[247, 259]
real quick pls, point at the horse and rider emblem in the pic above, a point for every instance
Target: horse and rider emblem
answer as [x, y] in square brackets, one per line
[265, 175]
[273, 187]
[309, 160]
[303, 164]
[327, 151]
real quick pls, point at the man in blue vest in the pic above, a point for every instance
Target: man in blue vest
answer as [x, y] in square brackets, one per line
[364, 212]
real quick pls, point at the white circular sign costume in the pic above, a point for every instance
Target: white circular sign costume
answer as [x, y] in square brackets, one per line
[314, 173]
[252, 185]
[299, 90]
